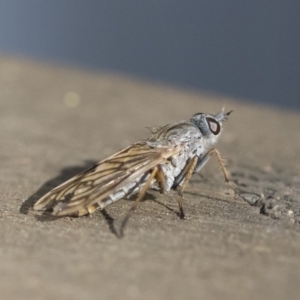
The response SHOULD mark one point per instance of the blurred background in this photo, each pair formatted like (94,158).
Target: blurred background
(244,49)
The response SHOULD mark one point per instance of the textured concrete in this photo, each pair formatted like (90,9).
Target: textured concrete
(57,121)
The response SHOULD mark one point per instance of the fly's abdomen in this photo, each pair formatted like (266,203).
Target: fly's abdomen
(127,190)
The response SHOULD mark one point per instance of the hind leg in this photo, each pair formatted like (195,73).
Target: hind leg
(186,176)
(157,174)
(138,199)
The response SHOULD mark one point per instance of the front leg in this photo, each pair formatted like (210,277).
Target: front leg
(224,171)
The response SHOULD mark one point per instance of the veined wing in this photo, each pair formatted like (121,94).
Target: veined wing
(100,181)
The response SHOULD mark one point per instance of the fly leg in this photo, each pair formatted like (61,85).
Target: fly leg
(225,173)
(188,172)
(138,199)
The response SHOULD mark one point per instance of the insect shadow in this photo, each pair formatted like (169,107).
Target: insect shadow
(118,232)
(65,174)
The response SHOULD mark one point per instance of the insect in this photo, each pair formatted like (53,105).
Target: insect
(162,162)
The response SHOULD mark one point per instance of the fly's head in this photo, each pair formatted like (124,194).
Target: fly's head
(210,125)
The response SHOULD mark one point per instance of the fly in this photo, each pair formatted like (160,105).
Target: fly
(162,162)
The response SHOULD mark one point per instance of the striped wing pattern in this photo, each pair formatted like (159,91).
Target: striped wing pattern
(100,181)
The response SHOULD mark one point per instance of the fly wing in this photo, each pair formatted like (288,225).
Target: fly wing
(106,177)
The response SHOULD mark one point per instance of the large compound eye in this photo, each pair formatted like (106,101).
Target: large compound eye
(214,126)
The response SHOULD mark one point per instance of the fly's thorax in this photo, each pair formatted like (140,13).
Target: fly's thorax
(176,163)
(176,133)
(187,137)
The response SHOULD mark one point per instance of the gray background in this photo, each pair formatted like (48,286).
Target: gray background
(245,49)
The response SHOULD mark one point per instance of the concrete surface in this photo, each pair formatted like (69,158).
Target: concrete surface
(57,121)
